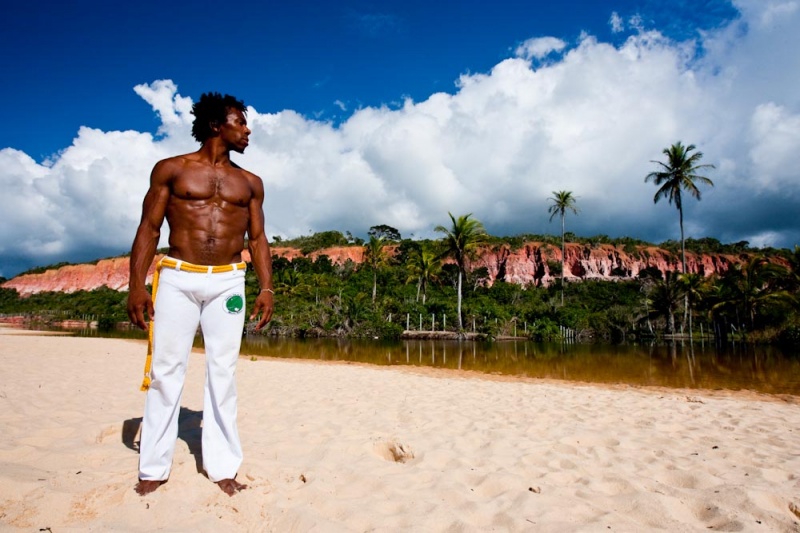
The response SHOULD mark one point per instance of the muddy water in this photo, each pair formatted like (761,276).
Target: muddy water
(765,369)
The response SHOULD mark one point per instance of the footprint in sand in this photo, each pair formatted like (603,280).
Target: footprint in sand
(91,504)
(393,451)
(110,431)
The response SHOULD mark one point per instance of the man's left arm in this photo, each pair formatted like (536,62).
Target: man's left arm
(260,255)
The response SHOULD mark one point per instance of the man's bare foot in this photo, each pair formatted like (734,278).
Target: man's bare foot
(147,486)
(230,486)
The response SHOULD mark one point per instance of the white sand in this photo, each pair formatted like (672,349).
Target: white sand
(321,440)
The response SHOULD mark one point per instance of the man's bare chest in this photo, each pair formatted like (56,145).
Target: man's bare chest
(213,185)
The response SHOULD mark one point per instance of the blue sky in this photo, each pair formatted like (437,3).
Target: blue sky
(394,112)
(77,62)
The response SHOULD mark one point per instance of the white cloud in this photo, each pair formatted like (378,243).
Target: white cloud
(774,12)
(616,23)
(636,23)
(775,143)
(539,47)
(590,121)
(174,110)
(22,206)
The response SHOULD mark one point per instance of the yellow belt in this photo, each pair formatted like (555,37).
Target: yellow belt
(200,269)
(177,264)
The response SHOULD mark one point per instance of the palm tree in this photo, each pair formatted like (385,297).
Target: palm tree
(319,281)
(694,287)
(461,240)
(423,266)
(753,287)
(679,172)
(665,298)
(290,282)
(562,200)
(375,256)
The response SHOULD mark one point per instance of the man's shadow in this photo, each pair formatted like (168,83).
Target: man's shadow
(190,430)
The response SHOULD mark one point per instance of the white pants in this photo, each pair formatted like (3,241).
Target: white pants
(185,300)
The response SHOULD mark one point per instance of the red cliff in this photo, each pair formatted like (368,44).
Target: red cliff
(338,255)
(526,265)
(531,263)
(111,273)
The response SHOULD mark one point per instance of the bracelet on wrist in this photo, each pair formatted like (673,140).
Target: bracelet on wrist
(269,291)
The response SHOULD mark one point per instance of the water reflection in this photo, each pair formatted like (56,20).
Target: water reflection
(759,368)
(767,369)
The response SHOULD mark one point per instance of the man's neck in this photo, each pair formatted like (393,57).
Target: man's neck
(215,152)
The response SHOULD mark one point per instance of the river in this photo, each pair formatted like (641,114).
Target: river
(765,369)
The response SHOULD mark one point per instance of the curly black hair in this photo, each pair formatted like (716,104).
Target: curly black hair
(212,109)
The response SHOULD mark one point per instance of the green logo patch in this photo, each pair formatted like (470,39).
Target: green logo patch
(234,304)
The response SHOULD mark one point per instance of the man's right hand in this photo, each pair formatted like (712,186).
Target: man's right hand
(140,301)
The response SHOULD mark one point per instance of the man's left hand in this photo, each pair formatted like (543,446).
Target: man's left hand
(264,305)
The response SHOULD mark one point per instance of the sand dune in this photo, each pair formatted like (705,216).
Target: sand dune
(341,447)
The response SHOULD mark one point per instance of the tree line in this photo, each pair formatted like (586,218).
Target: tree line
(757,299)
(403,282)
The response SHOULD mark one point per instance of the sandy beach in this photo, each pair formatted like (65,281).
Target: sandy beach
(343,447)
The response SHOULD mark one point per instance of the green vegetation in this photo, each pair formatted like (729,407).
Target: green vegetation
(757,300)
(39,270)
(317,241)
(100,303)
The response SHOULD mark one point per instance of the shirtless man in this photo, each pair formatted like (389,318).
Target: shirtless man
(210,204)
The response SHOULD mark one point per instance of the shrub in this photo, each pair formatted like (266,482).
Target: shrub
(545,329)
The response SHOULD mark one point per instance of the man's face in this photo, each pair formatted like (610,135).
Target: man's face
(234,132)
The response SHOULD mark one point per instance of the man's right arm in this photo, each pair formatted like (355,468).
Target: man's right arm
(146,242)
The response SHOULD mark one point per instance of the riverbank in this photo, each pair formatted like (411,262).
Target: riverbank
(347,447)
(411,334)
